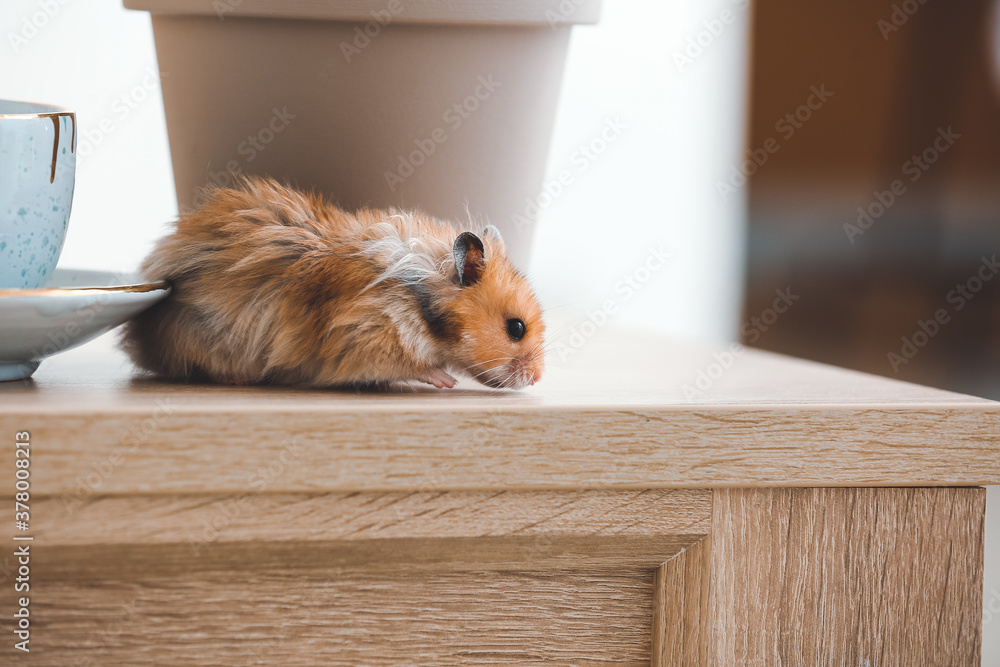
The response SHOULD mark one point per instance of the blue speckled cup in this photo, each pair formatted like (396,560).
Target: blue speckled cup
(37,175)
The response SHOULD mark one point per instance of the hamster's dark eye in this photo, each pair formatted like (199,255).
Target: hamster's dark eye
(515,328)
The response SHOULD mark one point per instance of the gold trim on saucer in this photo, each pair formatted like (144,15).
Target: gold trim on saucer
(71,291)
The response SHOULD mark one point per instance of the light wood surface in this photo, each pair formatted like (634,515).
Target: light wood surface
(611,415)
(847,576)
(682,627)
(345,579)
(454,530)
(879,576)
(157,519)
(248,617)
(586,521)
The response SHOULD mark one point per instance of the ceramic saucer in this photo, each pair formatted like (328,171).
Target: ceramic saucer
(74,308)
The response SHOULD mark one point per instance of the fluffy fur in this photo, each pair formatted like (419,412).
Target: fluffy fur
(276,286)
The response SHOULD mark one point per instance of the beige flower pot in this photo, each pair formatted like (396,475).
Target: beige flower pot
(442,106)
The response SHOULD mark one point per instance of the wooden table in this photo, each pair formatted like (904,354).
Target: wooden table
(649,501)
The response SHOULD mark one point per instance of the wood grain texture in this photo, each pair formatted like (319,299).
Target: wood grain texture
(364,578)
(156,519)
(608,418)
(316,452)
(346,617)
(847,576)
(384,531)
(681,597)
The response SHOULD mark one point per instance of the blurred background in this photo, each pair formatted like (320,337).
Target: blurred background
(871,265)
(895,88)
(848,152)
(874,265)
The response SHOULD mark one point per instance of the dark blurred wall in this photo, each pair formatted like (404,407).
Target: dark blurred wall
(877,200)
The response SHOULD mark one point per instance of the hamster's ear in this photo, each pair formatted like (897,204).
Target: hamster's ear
(493,233)
(470,258)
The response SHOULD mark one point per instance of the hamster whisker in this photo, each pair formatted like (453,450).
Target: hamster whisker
(500,383)
(508,379)
(553,336)
(480,363)
(483,372)
(500,359)
(537,345)
(488,370)
(504,384)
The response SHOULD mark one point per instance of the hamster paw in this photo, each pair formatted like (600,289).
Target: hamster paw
(438,378)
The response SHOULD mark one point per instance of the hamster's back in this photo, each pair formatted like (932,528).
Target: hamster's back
(256,272)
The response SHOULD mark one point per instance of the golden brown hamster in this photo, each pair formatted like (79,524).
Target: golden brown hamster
(275,286)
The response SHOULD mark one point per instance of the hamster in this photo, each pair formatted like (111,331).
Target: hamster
(276,286)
